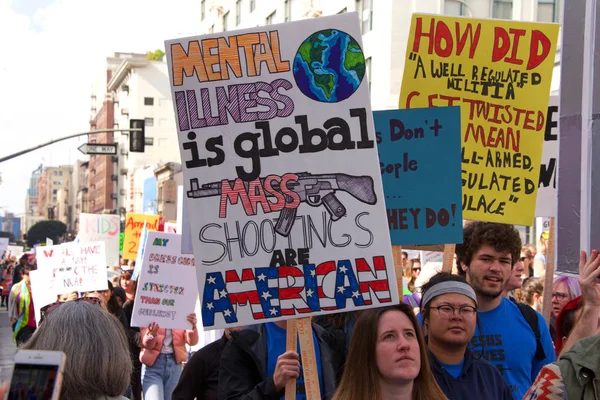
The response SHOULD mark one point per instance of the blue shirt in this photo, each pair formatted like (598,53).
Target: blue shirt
(507,341)
(276,343)
(453,369)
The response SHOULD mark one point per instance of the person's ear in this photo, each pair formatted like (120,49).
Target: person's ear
(464,267)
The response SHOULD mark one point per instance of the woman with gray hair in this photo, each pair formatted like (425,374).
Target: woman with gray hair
(98,364)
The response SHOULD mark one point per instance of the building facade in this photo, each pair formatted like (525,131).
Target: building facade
(168,177)
(31,215)
(80,189)
(384,23)
(51,180)
(140,90)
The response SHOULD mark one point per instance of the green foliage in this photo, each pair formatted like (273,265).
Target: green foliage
(9,235)
(45,229)
(156,55)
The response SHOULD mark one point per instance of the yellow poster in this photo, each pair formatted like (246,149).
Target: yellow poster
(133,232)
(499,73)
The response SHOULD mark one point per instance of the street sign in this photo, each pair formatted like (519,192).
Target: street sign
(97,149)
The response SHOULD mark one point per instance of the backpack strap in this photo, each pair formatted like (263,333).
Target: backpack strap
(532,319)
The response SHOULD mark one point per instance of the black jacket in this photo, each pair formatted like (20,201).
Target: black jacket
(244,365)
(478,380)
(200,377)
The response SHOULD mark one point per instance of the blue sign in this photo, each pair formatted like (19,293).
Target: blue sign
(420,162)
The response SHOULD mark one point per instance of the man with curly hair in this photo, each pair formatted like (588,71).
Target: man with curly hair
(505,336)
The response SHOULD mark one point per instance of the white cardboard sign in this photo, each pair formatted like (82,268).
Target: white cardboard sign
(167,290)
(281,172)
(79,267)
(546,202)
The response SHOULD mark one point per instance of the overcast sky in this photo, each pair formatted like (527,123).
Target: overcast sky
(51,52)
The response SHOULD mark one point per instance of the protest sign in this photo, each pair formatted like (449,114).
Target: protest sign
(102,228)
(49,242)
(284,194)
(419,158)
(546,197)
(167,289)
(499,72)
(73,267)
(121,241)
(133,231)
(431,256)
(16,251)
(170,227)
(3,246)
(42,290)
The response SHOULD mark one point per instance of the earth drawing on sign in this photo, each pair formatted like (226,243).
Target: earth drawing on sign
(329,66)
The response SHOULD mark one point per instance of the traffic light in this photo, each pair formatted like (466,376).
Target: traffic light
(137,139)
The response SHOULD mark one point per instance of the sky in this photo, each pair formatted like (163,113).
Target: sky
(52,52)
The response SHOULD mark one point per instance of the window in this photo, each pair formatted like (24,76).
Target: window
(343,10)
(368,72)
(225,18)
(238,12)
(455,8)
(60,173)
(252,5)
(54,191)
(271,18)
(503,9)
(149,121)
(288,10)
(202,9)
(148,101)
(547,11)
(365,8)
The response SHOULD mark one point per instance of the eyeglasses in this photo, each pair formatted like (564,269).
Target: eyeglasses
(447,311)
(416,269)
(51,307)
(525,258)
(560,296)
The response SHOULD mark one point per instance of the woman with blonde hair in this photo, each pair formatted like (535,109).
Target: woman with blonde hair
(539,261)
(533,293)
(388,359)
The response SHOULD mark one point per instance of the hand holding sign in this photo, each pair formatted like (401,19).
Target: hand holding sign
(287,367)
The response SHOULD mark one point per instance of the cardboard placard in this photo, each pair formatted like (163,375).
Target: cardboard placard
(419,158)
(167,290)
(133,232)
(547,195)
(105,228)
(74,267)
(499,72)
(281,181)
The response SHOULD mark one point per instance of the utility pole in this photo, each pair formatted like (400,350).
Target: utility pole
(579,139)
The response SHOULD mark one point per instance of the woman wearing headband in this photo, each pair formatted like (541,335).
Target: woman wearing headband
(449,310)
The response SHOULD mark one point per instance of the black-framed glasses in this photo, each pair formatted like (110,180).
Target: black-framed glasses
(560,296)
(447,311)
(51,307)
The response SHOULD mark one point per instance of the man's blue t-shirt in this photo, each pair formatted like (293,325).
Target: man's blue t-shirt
(507,341)
(454,369)
(276,343)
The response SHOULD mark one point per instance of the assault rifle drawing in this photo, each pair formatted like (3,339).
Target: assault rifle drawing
(314,190)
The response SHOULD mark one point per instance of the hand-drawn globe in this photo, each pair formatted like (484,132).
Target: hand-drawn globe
(329,66)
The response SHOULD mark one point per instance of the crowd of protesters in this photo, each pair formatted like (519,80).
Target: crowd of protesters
(475,333)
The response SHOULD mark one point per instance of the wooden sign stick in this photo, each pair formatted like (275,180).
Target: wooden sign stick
(448,259)
(397,255)
(291,344)
(309,359)
(549,277)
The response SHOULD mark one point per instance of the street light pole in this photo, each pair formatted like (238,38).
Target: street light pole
(65,138)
